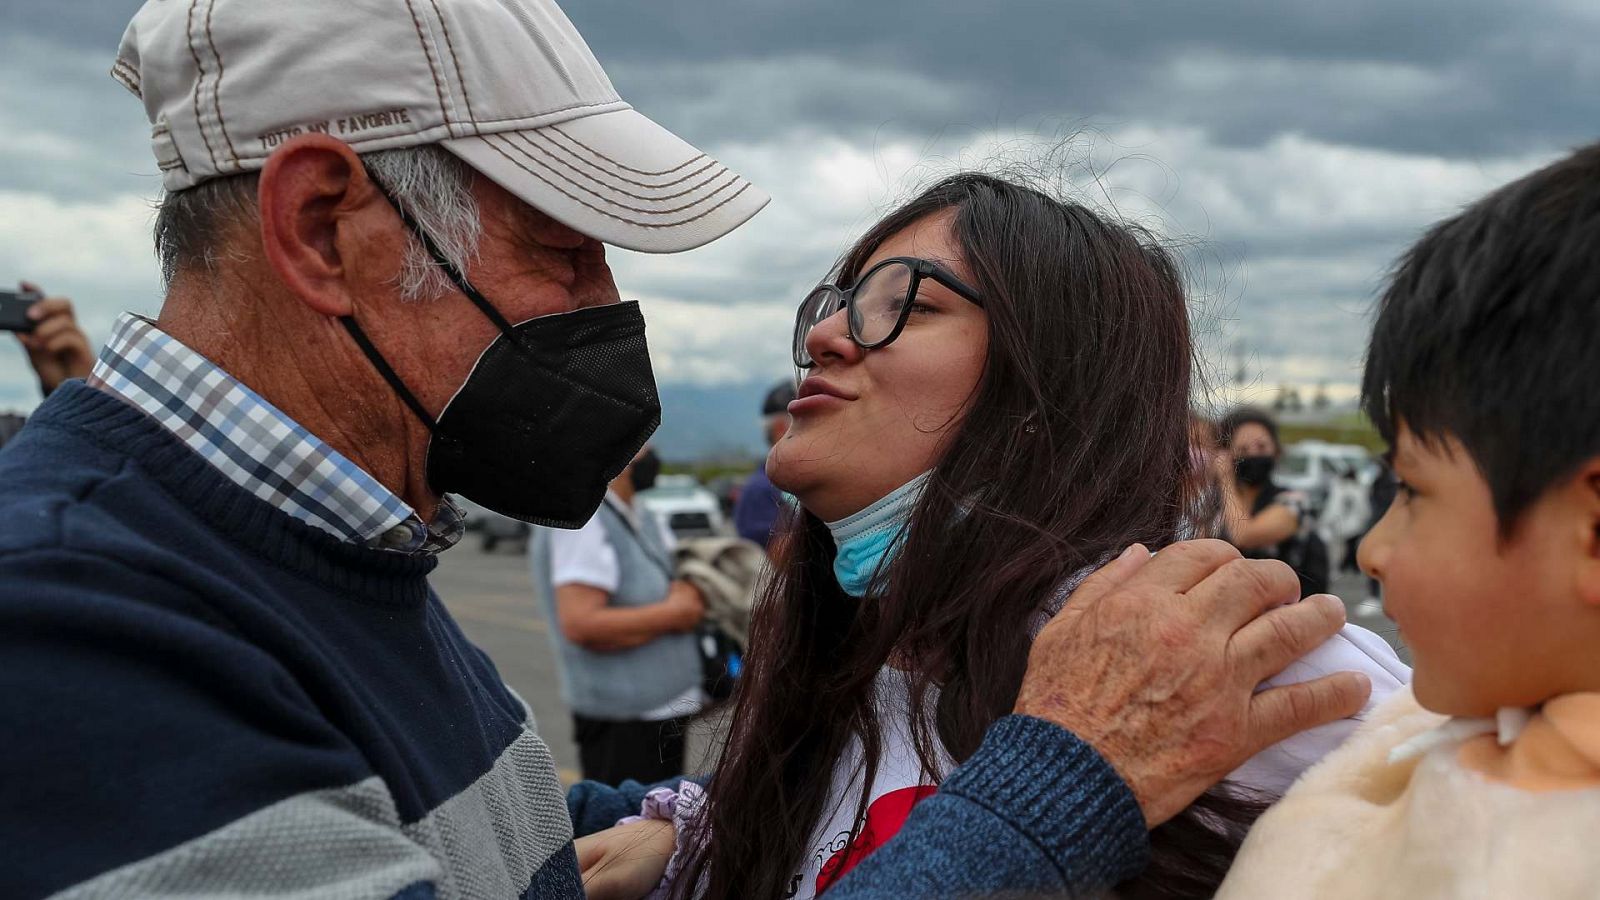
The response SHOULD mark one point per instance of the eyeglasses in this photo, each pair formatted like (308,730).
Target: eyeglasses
(877,306)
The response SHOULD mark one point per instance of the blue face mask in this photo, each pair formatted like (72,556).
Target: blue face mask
(868,540)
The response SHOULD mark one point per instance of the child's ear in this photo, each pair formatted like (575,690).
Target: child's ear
(1587,495)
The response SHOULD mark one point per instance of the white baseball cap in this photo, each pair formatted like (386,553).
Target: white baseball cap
(507,85)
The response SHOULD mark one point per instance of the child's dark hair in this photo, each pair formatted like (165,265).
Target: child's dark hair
(1490,333)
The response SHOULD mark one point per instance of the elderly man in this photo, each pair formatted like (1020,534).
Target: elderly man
(222,671)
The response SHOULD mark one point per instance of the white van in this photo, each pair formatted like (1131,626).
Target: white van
(1310,466)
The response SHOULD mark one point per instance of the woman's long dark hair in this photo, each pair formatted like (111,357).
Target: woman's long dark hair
(1074,445)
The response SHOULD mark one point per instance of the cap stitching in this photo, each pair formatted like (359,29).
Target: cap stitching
(216,86)
(557,130)
(450,45)
(126,67)
(438,86)
(128,72)
(579,157)
(611,215)
(160,130)
(198,120)
(637,209)
(122,79)
(551,112)
(598,167)
(625,191)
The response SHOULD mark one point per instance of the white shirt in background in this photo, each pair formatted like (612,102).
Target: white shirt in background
(585,556)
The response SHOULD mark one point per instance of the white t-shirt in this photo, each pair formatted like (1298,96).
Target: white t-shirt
(842,841)
(585,556)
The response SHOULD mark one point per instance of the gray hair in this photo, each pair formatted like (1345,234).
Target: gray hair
(198,227)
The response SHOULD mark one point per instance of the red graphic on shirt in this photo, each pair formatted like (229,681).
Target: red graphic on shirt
(884,818)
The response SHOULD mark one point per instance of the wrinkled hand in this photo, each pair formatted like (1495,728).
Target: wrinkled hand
(687,602)
(57,348)
(1155,662)
(625,862)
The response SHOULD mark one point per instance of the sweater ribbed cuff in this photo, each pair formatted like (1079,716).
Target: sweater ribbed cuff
(1057,791)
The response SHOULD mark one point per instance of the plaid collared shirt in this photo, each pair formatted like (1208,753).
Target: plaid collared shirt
(259,448)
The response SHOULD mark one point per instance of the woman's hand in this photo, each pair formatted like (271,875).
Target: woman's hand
(688,604)
(625,862)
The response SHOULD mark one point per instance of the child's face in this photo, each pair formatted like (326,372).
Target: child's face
(1490,622)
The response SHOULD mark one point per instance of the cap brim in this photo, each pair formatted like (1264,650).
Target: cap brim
(618,177)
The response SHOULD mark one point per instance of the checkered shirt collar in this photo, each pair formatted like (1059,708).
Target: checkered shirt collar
(257,446)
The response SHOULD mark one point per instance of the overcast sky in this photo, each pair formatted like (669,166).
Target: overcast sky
(1296,147)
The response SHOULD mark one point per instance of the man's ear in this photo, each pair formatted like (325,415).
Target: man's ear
(313,188)
(1586,497)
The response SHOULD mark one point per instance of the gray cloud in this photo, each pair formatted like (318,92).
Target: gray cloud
(1478,77)
(1301,145)
(1482,77)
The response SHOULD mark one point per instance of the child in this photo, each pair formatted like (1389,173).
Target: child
(1484,376)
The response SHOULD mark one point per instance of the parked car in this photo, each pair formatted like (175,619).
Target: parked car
(1310,466)
(682,507)
(492,528)
(726,488)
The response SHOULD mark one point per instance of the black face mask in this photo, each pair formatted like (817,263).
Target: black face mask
(553,411)
(645,471)
(1254,471)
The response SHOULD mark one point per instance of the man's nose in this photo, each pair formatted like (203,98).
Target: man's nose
(830,340)
(593,283)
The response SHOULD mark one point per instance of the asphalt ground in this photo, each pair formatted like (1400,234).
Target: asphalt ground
(490,594)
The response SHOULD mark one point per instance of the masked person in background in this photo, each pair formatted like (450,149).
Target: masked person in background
(624,636)
(222,670)
(1263,520)
(760,504)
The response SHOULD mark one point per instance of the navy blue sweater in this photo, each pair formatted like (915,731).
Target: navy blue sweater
(200,693)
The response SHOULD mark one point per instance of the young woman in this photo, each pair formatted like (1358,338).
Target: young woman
(994,404)
(1259,517)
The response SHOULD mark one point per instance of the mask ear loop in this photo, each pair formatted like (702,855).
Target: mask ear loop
(443,262)
(456,278)
(388,373)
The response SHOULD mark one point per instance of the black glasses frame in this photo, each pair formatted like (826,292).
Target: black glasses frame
(845,298)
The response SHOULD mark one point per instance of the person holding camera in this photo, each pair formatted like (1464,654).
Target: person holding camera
(49,334)
(57,348)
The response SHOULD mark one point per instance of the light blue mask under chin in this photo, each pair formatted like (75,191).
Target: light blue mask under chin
(868,540)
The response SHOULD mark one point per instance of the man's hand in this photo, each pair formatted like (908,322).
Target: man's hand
(57,348)
(1155,662)
(687,604)
(625,862)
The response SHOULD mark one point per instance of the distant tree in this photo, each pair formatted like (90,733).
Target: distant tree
(1321,400)
(1239,367)
(1280,403)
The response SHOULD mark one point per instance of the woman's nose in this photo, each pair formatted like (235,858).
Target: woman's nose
(829,341)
